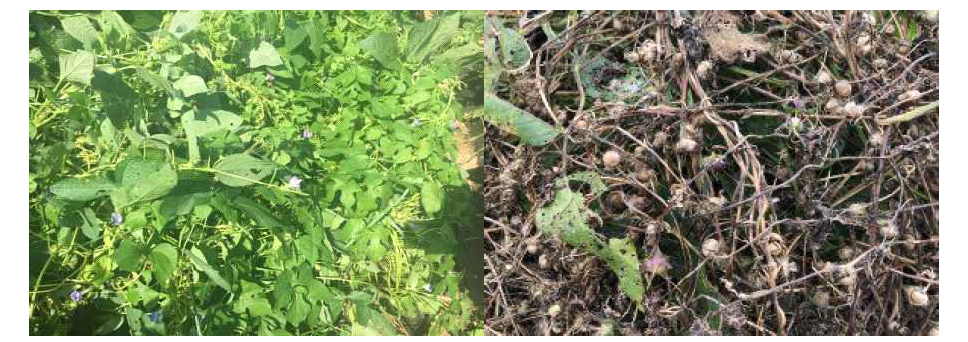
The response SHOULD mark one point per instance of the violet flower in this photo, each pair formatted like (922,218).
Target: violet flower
(295,182)
(307,134)
(116,218)
(76,296)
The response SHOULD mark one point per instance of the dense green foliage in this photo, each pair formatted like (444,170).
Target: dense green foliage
(258,172)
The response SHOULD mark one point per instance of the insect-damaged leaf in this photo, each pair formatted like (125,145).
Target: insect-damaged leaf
(242,169)
(567,217)
(184,22)
(529,128)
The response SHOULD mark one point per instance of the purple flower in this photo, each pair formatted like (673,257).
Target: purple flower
(295,182)
(428,288)
(116,218)
(307,134)
(270,78)
(154,317)
(76,296)
(416,122)
(657,264)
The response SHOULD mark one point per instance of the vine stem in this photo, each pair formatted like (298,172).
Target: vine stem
(211,170)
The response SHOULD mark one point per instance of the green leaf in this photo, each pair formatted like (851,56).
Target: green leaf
(77,67)
(264,55)
(184,22)
(74,189)
(205,121)
(198,259)
(624,261)
(164,258)
(529,128)
(257,212)
(431,196)
(308,248)
(128,256)
(383,47)
(242,169)
(515,51)
(298,312)
(430,36)
(81,29)
(92,225)
(142,180)
(191,85)
(155,80)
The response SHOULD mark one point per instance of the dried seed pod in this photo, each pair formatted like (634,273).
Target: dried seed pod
(645,176)
(917,296)
(833,105)
(686,145)
(821,299)
(618,25)
(581,124)
(909,244)
(543,261)
(887,228)
(714,162)
(843,88)
(611,159)
(638,202)
(632,56)
(934,331)
(823,77)
(909,95)
(789,56)
(660,139)
(853,110)
(775,244)
(704,69)
(711,248)
(554,310)
(880,63)
(616,199)
(848,277)
(876,139)
(845,253)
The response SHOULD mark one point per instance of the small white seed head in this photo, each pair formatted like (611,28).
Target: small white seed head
(909,95)
(704,69)
(833,105)
(823,77)
(543,261)
(880,63)
(887,228)
(554,310)
(934,332)
(710,248)
(917,296)
(846,253)
(611,159)
(876,139)
(686,145)
(821,299)
(843,88)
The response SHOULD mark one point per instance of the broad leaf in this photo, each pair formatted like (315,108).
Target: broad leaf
(164,258)
(191,85)
(198,259)
(184,22)
(383,47)
(264,55)
(128,256)
(74,189)
(77,67)
(155,80)
(529,128)
(431,196)
(430,36)
(142,180)
(242,169)
(81,29)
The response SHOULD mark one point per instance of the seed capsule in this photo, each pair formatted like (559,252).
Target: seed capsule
(917,296)
(710,248)
(909,95)
(823,77)
(686,145)
(843,88)
(611,159)
(821,299)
